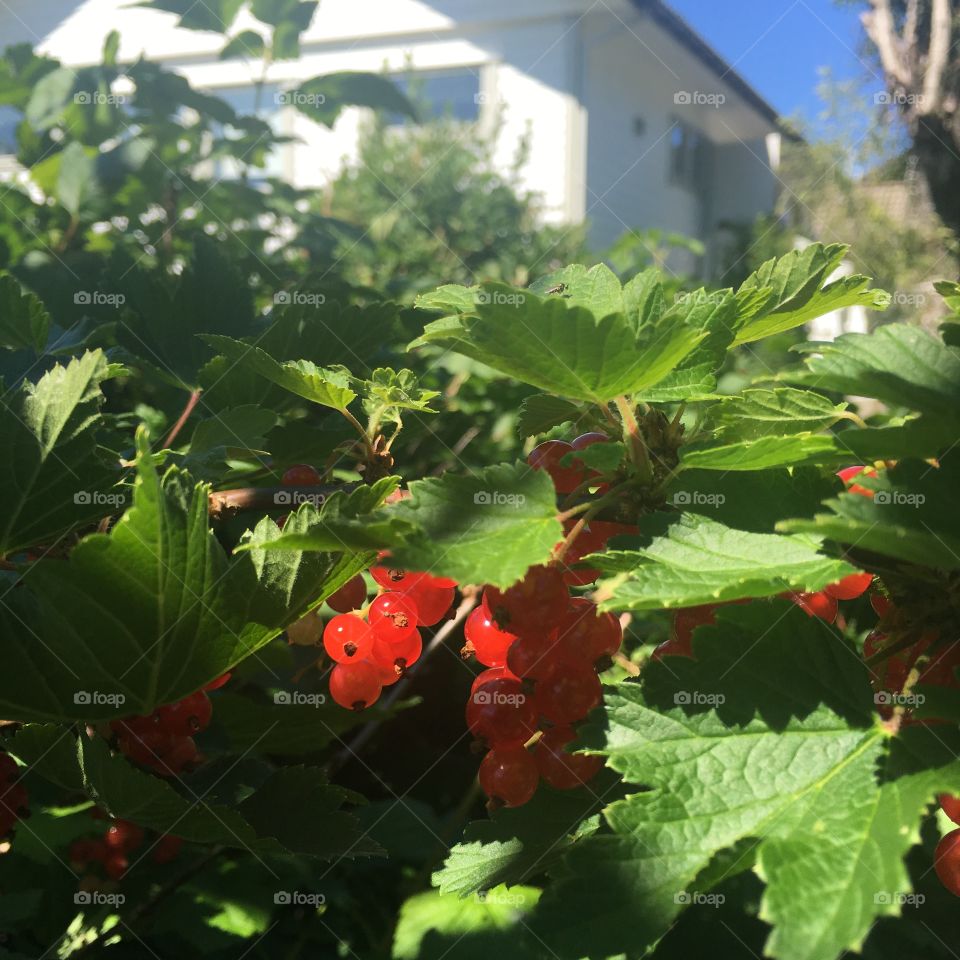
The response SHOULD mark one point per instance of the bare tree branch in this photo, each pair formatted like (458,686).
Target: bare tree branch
(882,30)
(941,27)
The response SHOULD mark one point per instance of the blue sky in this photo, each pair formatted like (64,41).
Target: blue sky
(778,45)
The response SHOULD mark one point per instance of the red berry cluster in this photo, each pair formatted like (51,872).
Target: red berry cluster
(374,650)
(111,850)
(13,794)
(163,740)
(543,650)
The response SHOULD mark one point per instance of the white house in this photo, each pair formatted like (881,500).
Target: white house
(634,121)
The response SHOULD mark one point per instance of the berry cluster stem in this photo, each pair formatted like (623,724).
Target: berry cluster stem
(631,434)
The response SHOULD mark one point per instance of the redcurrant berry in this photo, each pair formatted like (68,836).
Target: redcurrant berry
(300,475)
(500,713)
(393,617)
(346,637)
(355,685)
(167,848)
(351,596)
(534,604)
(560,769)
(568,692)
(950,805)
(817,604)
(488,642)
(851,587)
(123,835)
(508,776)
(946,861)
(533,655)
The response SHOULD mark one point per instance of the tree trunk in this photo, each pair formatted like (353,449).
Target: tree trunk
(938,154)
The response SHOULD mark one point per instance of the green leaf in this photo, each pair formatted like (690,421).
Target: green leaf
(700,561)
(488,527)
(761,413)
(714,314)
(541,411)
(564,349)
(344,521)
(52,476)
(514,845)
(151,611)
(796,450)
(232,434)
(323,98)
(247,43)
(898,364)
(797,294)
(596,289)
(389,391)
(314,823)
(426,918)
(49,751)
(752,500)
(215,15)
(24,322)
(912,516)
(77,184)
(328,387)
(748,742)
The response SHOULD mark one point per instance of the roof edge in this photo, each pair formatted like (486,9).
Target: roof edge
(681,31)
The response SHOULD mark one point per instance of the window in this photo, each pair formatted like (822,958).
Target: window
(244,102)
(441,94)
(687,149)
(9,120)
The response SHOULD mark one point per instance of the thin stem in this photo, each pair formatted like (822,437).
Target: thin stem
(358,426)
(631,435)
(188,408)
(576,529)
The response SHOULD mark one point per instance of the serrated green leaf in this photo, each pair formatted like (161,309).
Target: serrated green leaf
(596,288)
(779,412)
(701,561)
(912,516)
(515,845)
(488,527)
(151,611)
(798,449)
(898,364)
(52,476)
(326,386)
(24,322)
(564,349)
(797,293)
(389,391)
(798,763)
(541,411)
(426,918)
